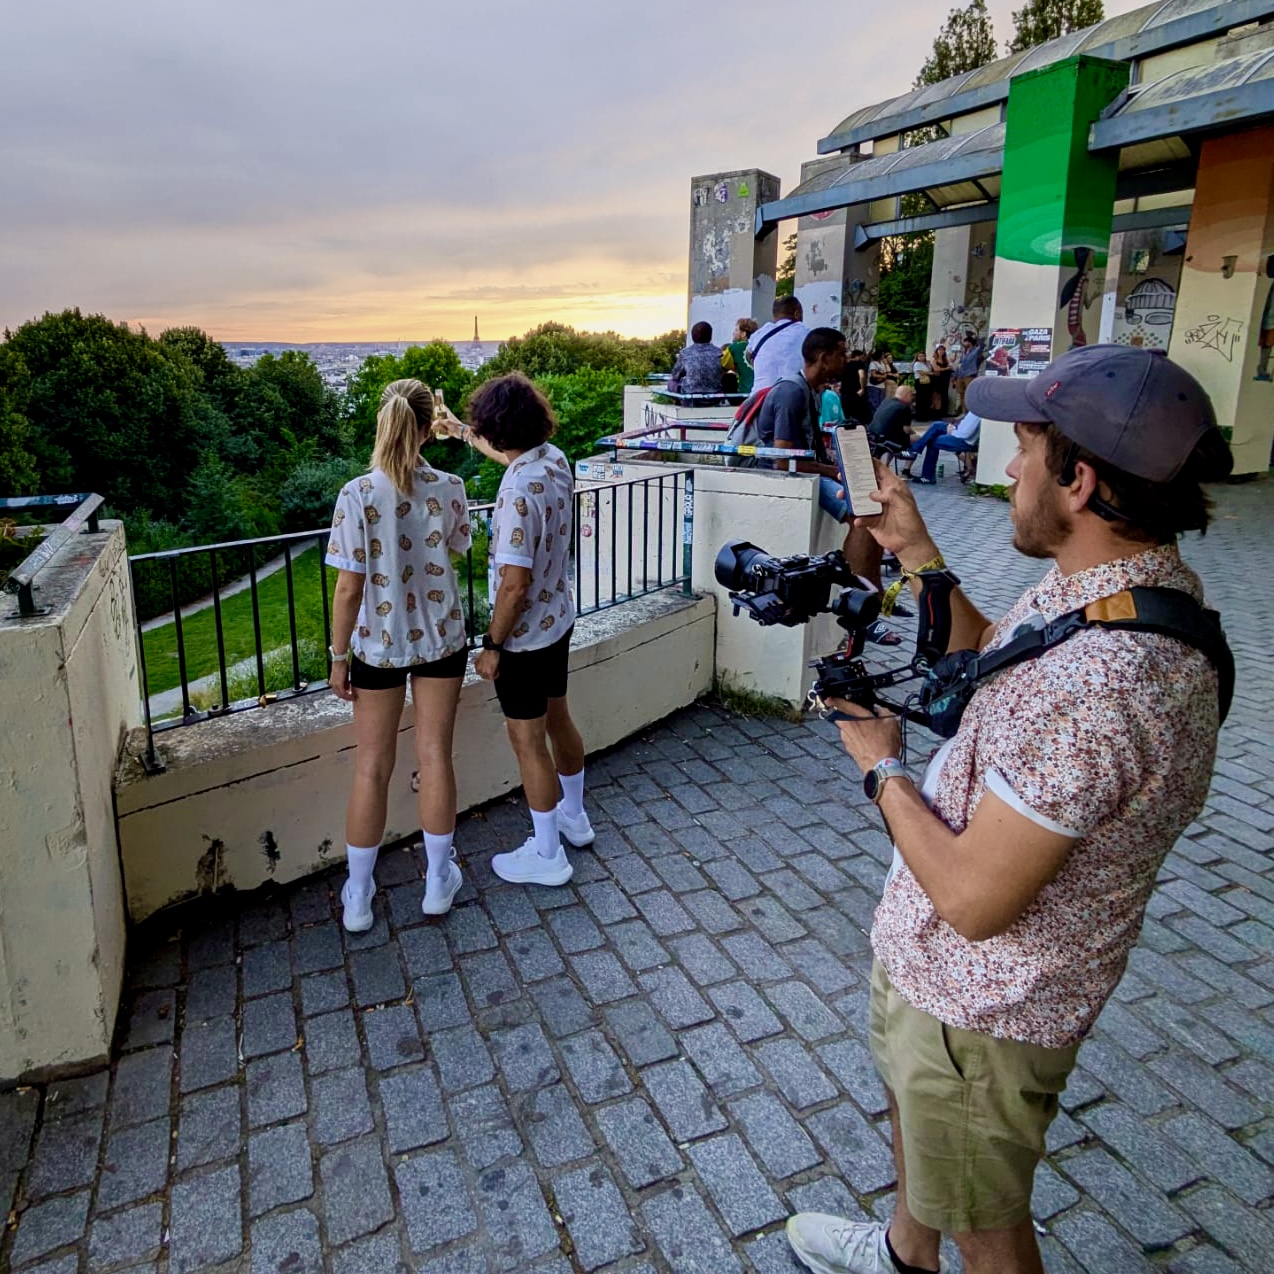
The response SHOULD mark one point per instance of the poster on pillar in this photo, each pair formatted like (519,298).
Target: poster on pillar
(1019,351)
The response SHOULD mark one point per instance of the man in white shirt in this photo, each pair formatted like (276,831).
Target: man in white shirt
(775,349)
(960,437)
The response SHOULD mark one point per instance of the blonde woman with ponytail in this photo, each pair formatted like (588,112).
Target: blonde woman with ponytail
(397,615)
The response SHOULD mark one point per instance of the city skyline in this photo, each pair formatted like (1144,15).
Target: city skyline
(296,174)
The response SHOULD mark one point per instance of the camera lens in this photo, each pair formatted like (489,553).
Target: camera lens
(860,606)
(735,563)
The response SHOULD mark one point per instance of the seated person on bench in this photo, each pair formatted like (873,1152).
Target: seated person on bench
(940,436)
(890,424)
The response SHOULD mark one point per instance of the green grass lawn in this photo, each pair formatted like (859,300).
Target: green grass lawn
(199,631)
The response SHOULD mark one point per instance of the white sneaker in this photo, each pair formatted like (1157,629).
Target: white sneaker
(575,829)
(527,866)
(440,891)
(833,1245)
(356,914)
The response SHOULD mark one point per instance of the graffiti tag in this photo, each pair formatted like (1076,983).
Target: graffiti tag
(1222,335)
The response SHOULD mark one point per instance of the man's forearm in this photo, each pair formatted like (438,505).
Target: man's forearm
(970,628)
(508,606)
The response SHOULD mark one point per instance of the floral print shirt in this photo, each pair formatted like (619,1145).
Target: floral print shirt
(411,611)
(531,527)
(1109,738)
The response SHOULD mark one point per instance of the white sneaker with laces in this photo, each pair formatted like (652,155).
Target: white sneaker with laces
(441,890)
(527,866)
(356,912)
(833,1245)
(575,828)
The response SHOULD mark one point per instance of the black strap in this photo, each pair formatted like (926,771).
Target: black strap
(1166,611)
(774,331)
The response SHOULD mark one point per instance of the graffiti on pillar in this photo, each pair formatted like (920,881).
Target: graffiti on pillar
(1145,317)
(1218,334)
(969,315)
(815,261)
(721,192)
(1076,296)
(1267,328)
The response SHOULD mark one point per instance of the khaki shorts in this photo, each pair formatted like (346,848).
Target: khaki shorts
(973,1110)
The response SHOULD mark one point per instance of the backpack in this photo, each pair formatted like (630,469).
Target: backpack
(745,432)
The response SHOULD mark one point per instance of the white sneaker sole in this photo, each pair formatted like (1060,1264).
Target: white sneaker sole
(440,906)
(356,924)
(583,842)
(558,876)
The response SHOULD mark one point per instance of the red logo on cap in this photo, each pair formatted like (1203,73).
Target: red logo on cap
(1052,389)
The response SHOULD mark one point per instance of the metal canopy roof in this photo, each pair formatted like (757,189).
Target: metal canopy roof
(1153,29)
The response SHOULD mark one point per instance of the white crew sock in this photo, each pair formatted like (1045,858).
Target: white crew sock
(362,862)
(438,852)
(572,793)
(546,842)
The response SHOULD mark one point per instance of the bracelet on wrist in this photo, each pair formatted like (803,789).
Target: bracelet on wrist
(905,576)
(340,657)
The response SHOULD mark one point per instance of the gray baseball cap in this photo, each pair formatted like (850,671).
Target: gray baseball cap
(1133,407)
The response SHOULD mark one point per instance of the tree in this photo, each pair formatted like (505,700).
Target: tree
(553,349)
(966,42)
(1039,21)
(903,298)
(18,472)
(785,278)
(436,365)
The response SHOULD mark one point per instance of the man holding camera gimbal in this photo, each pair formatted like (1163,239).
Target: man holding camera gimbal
(1025,860)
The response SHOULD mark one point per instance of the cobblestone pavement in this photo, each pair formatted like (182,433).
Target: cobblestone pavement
(650,1068)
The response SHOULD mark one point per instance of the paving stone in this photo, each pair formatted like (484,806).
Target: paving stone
(485,1126)
(1097,1244)
(143,1084)
(1253,1076)
(1221,1157)
(209,1055)
(462,1059)
(808,1016)
(288,1242)
(638,947)
(735,1183)
(355,1190)
(311,902)
(1204,1260)
(158,967)
(65,1154)
(1141,1211)
(643,1038)
(674,998)
(596,1216)
(663,913)
(127,1237)
(607,902)
(135,1164)
(757,957)
(562,1009)
(574,929)
(1183,1026)
(276,1089)
(1128,1080)
(393,1038)
(686,1106)
(279,1169)
(377,976)
(468,930)
(440,1002)
(323,992)
(602,976)
(376,1255)
(853,1145)
(208,1127)
(414,1115)
(517,1220)
(212,944)
(331,1042)
(852,1064)
(633,874)
(44,1227)
(720,1060)
(1051,1194)
(266,968)
(732,879)
(684,1231)
(524,1058)
(264,922)
(151,1019)
(317,948)
(679,873)
(1143,1146)
(376,936)
(773,1135)
(489,979)
(425,950)
(1201,1086)
(638,1142)
(748,1015)
(436,1205)
(702,959)
(554,1127)
(269,1025)
(341,1108)
(204,1223)
(826,1194)
(535,956)
(595,1070)
(819,966)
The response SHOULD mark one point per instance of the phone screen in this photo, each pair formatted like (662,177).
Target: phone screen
(857,470)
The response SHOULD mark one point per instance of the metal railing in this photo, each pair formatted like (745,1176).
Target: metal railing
(83,516)
(632,538)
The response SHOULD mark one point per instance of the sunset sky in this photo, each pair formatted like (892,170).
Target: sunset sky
(327,171)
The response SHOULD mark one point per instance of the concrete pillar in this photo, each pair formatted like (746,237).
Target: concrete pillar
(68,692)
(1143,275)
(1056,204)
(960,285)
(837,284)
(1224,330)
(731,270)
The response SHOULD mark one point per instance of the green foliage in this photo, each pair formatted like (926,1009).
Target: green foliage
(15,544)
(903,318)
(1039,21)
(309,492)
(785,279)
(966,42)
(553,349)
(18,472)
(664,350)
(436,365)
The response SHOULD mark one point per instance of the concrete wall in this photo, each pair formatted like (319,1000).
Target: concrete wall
(960,285)
(1142,282)
(261,795)
(68,693)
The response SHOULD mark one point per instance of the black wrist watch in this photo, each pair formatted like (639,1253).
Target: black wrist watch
(489,644)
(875,779)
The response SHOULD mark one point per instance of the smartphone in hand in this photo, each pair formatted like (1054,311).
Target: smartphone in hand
(857,470)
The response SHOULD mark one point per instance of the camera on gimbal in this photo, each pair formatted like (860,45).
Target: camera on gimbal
(792,590)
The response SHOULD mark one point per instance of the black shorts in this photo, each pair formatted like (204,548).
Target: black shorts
(368,677)
(528,679)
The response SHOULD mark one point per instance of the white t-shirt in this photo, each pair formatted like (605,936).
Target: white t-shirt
(532,527)
(780,357)
(411,611)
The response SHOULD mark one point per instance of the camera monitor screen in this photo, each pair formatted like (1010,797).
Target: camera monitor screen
(857,470)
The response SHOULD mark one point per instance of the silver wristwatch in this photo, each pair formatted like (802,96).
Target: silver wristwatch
(875,779)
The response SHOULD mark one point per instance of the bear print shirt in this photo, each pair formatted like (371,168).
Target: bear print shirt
(531,527)
(411,612)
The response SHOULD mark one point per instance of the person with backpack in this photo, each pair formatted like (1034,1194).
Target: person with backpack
(1024,861)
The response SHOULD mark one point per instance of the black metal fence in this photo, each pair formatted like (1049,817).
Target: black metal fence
(80,513)
(252,641)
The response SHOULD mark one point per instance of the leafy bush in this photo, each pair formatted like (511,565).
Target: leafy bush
(309,492)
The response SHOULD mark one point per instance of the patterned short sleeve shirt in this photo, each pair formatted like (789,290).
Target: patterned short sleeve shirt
(411,612)
(1108,738)
(532,527)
